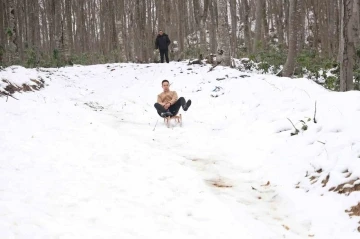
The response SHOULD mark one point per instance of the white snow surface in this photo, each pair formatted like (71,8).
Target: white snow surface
(89,157)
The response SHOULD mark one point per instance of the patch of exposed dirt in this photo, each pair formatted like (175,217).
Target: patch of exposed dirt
(325,180)
(219,183)
(350,187)
(286,227)
(26,88)
(39,84)
(345,188)
(195,159)
(354,211)
(11,88)
(313,179)
(95,106)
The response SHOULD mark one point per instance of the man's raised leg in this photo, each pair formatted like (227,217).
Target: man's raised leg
(174,109)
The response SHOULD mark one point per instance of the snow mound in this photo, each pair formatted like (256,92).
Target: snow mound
(19,79)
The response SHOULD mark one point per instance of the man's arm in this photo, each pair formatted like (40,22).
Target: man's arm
(168,40)
(159,100)
(174,98)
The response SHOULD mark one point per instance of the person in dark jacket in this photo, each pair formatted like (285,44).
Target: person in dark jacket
(162,43)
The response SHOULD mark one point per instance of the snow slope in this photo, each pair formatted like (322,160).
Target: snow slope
(88,156)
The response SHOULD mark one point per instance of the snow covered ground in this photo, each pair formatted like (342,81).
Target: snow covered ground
(88,156)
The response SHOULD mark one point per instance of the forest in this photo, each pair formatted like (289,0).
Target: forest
(294,37)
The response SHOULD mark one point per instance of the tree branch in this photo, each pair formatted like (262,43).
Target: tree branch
(296,130)
(7,95)
(315,114)
(212,68)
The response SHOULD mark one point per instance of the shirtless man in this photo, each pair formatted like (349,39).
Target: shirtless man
(168,103)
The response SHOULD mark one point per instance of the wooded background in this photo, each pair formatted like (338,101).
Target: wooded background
(294,33)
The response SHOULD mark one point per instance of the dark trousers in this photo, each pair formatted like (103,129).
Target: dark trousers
(174,109)
(164,52)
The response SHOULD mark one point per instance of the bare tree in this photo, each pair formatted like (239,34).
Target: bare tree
(259,15)
(200,16)
(12,33)
(233,27)
(294,13)
(247,24)
(68,25)
(223,54)
(213,26)
(2,26)
(347,45)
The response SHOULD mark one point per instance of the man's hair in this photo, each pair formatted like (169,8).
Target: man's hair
(164,81)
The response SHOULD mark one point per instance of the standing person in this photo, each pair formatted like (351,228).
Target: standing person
(162,43)
(168,103)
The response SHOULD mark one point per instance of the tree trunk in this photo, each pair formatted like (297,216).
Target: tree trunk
(347,46)
(2,36)
(265,26)
(181,17)
(12,34)
(258,23)
(200,16)
(213,27)
(68,26)
(233,27)
(223,53)
(247,26)
(20,28)
(300,25)
(167,13)
(149,31)
(160,14)
(290,61)
(203,42)
(113,33)
(280,23)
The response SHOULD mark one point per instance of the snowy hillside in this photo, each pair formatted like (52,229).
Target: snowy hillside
(87,156)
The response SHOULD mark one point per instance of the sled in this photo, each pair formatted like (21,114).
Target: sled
(177,118)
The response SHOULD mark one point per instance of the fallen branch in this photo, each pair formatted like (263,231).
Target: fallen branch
(304,91)
(197,61)
(155,124)
(7,95)
(267,184)
(296,130)
(271,84)
(212,68)
(315,114)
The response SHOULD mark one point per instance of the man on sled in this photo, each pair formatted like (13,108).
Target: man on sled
(168,104)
